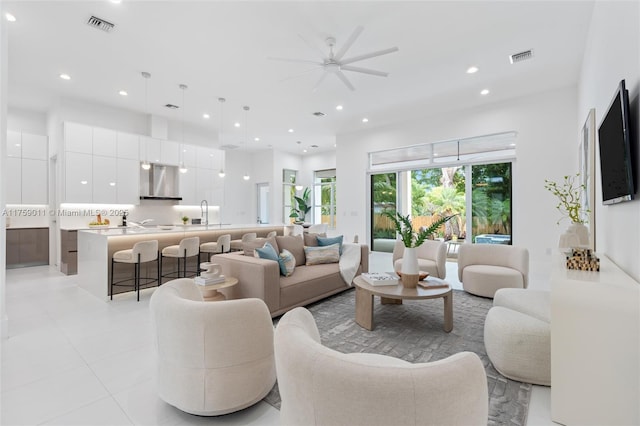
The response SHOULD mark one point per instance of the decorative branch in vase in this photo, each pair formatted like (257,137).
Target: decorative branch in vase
(570,206)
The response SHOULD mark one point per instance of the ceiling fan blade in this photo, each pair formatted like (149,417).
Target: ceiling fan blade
(364,70)
(345,80)
(369,55)
(301,73)
(352,38)
(322,77)
(302,61)
(322,55)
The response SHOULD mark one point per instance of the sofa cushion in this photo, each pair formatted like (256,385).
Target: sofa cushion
(319,255)
(288,262)
(327,241)
(249,246)
(311,239)
(310,282)
(295,244)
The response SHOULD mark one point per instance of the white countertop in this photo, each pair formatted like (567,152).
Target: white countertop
(119,230)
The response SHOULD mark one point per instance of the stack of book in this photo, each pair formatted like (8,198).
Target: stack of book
(209,281)
(380,278)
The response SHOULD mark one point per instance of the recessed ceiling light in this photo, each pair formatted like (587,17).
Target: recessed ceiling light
(112,184)
(236,124)
(123,93)
(116,1)
(365,120)
(290,130)
(256,139)
(10,17)
(65,76)
(472,70)
(435,154)
(205,115)
(304,150)
(339,107)
(484,92)
(512,144)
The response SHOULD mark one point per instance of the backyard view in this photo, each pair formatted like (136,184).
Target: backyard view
(434,193)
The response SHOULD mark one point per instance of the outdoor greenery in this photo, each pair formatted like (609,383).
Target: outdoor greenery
(404,228)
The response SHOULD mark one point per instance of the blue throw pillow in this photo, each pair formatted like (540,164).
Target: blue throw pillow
(268,252)
(327,241)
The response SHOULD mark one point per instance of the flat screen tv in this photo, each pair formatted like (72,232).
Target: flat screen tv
(616,155)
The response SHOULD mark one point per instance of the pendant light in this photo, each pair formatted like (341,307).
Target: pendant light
(145,164)
(182,168)
(221,173)
(246,131)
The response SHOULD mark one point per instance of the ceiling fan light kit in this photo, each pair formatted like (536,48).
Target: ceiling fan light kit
(333,63)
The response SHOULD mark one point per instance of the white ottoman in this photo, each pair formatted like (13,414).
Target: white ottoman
(517,335)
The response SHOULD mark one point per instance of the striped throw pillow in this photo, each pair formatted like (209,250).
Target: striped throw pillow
(319,255)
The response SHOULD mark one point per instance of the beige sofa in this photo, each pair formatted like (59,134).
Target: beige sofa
(260,278)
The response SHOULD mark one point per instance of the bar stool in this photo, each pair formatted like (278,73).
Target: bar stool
(223,245)
(142,252)
(236,245)
(188,247)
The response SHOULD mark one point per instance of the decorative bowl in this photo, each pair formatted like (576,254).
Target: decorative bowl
(421,275)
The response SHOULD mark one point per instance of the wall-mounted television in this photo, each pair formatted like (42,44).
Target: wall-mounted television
(616,154)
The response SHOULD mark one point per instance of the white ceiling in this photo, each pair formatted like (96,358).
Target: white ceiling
(221,49)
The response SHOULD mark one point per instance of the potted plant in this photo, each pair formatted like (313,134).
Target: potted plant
(411,240)
(185,219)
(570,205)
(303,206)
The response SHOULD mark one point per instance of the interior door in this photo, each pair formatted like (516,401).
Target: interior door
(263,202)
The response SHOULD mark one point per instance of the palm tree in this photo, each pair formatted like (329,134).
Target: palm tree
(446,202)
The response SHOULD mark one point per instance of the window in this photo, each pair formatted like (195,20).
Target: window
(288,193)
(324,201)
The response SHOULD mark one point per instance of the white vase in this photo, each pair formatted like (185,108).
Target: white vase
(410,261)
(581,231)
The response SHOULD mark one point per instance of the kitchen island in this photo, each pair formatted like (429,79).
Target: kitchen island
(96,247)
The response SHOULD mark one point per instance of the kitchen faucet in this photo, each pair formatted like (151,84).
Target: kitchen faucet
(204,211)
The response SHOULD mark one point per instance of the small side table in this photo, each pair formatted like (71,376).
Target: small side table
(210,292)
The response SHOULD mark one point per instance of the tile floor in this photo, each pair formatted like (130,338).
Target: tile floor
(72,359)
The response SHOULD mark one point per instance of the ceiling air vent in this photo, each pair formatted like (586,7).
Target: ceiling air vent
(100,24)
(171,106)
(229,146)
(521,56)
(319,114)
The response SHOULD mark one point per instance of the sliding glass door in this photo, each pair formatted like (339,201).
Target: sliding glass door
(383,198)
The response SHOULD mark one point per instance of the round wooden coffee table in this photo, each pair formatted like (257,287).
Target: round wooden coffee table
(210,292)
(395,294)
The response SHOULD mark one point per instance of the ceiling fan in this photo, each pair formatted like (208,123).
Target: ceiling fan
(333,63)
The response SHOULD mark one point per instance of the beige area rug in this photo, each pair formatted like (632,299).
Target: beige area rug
(413,332)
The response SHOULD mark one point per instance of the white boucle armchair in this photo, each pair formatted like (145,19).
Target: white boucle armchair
(213,357)
(320,386)
(483,269)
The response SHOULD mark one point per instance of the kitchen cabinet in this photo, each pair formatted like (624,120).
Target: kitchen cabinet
(104,176)
(187,187)
(13,177)
(189,155)
(69,252)
(78,138)
(149,149)
(78,178)
(169,153)
(27,168)
(104,142)
(128,181)
(27,247)
(128,146)
(14,144)
(204,184)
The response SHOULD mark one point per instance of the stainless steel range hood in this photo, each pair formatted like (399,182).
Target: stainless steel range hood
(160,182)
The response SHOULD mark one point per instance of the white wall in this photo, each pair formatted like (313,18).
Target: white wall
(612,54)
(4,59)
(27,121)
(547,144)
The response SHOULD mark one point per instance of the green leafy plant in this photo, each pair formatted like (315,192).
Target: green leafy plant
(185,219)
(568,193)
(404,227)
(303,207)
